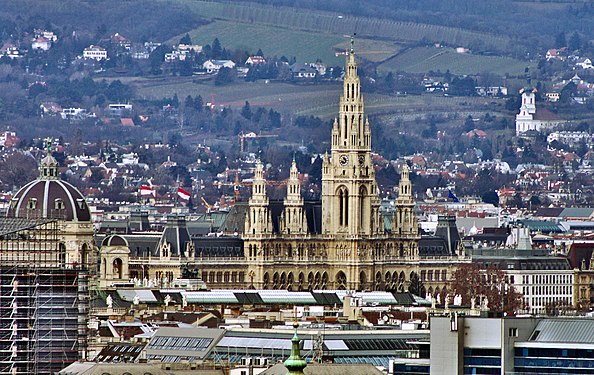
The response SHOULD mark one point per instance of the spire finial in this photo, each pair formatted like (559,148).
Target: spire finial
(353,42)
(295,364)
(48,145)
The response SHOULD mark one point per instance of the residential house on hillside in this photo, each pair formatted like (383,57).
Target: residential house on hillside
(41,43)
(213,66)
(584,63)
(95,52)
(49,35)
(143,51)
(10,50)
(303,72)
(255,60)
(491,90)
(50,109)
(8,139)
(121,41)
(556,54)
(196,48)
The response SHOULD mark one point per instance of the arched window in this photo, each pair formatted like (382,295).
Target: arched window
(362,209)
(117,268)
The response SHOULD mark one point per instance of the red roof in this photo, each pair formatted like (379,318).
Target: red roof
(127,122)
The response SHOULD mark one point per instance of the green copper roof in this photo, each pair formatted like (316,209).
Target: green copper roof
(295,364)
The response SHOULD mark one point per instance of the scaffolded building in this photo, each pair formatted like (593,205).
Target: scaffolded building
(43,299)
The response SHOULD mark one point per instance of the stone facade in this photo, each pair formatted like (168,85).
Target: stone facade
(342,243)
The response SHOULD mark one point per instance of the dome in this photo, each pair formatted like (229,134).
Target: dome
(48,197)
(114,240)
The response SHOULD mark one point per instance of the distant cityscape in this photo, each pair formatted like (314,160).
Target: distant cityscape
(183,235)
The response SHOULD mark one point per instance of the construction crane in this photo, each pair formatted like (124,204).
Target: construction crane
(207,205)
(251,135)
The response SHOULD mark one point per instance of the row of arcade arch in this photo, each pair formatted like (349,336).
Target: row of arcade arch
(389,281)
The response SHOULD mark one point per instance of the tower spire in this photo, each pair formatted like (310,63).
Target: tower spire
(295,364)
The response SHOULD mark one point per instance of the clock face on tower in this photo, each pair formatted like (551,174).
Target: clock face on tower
(343,160)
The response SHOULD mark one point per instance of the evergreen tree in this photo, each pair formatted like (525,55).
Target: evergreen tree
(575,42)
(246,111)
(216,49)
(198,103)
(560,40)
(189,102)
(186,39)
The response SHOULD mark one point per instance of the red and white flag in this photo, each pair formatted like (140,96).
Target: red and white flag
(146,190)
(183,194)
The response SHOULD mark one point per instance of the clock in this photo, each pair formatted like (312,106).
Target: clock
(361,159)
(343,160)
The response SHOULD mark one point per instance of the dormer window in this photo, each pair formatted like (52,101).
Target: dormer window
(81,203)
(59,204)
(32,203)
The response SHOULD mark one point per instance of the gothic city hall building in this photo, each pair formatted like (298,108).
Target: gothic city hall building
(343,241)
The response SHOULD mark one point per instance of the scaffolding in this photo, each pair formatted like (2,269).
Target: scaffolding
(43,301)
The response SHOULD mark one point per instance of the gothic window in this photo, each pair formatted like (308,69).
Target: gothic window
(341,280)
(362,211)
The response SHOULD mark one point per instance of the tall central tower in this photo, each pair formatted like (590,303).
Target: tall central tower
(350,202)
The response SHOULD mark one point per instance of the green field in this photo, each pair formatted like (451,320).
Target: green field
(305,46)
(315,100)
(425,59)
(277,41)
(337,24)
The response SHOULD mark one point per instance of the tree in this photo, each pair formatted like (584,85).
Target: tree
(225,76)
(575,42)
(560,40)
(246,111)
(186,39)
(474,282)
(157,57)
(416,286)
(216,49)
(491,197)
(17,169)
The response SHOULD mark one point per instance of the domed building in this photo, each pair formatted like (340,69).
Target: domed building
(50,198)
(48,259)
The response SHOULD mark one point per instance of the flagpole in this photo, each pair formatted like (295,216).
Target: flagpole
(177,192)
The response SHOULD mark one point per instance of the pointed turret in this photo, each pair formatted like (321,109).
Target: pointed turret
(293,214)
(405,221)
(295,364)
(258,221)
